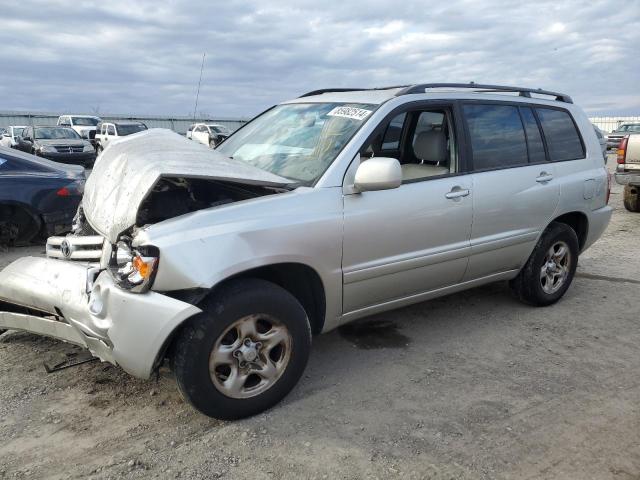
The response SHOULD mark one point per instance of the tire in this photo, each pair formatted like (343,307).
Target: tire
(18,226)
(216,334)
(631,198)
(536,287)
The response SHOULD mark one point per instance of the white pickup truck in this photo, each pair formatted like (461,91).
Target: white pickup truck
(628,170)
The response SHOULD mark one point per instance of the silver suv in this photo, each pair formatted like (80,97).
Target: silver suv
(323,209)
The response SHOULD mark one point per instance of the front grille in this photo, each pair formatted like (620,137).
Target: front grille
(77,248)
(69,148)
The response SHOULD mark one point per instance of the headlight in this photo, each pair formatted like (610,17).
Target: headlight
(47,149)
(87,147)
(134,269)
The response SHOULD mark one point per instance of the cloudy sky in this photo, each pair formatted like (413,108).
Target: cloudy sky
(144,57)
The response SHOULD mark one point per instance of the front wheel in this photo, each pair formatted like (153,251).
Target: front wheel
(245,352)
(550,269)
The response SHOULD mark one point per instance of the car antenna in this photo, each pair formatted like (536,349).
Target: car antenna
(195,109)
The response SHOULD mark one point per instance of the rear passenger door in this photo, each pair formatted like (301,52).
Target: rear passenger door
(515,194)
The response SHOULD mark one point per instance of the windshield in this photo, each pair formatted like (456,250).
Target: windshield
(17,131)
(85,121)
(124,130)
(219,129)
(297,141)
(54,133)
(630,128)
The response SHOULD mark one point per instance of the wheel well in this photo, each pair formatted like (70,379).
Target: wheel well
(7,209)
(580,224)
(301,281)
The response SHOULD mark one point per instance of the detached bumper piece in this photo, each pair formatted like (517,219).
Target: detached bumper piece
(80,304)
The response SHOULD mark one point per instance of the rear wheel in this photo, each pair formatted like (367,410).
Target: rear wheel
(631,198)
(245,352)
(550,269)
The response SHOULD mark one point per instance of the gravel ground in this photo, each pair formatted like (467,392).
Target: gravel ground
(473,386)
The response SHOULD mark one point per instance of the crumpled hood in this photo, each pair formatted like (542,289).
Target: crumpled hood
(126,172)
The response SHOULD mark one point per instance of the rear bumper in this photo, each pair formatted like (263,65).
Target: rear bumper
(60,299)
(60,222)
(627,178)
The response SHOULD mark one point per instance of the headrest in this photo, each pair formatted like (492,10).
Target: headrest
(431,146)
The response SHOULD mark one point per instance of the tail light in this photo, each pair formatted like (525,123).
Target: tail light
(622,149)
(63,192)
(74,188)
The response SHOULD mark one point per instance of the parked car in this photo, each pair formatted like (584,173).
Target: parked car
(83,125)
(109,131)
(628,170)
(37,196)
(60,144)
(615,137)
(10,136)
(227,261)
(209,134)
(602,140)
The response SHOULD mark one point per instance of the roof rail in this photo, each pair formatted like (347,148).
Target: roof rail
(329,90)
(523,92)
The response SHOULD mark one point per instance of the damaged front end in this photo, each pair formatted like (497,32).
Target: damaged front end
(95,289)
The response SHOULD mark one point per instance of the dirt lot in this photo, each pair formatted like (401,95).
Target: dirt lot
(473,386)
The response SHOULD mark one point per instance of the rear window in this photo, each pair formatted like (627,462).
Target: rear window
(497,136)
(563,139)
(534,139)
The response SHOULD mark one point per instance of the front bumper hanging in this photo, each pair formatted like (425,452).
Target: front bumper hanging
(80,304)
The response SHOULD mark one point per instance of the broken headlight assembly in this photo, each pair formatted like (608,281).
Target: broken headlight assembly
(134,269)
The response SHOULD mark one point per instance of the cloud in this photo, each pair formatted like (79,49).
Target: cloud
(144,57)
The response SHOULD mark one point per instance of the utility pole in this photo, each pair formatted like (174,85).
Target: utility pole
(195,109)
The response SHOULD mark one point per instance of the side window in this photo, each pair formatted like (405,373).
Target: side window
(497,136)
(111,130)
(534,139)
(563,140)
(391,139)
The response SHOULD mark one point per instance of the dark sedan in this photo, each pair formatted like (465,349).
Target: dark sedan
(60,144)
(37,197)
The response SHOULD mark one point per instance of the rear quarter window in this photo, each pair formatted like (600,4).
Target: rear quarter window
(561,135)
(497,136)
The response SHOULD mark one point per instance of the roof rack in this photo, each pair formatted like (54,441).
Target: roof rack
(330,90)
(523,92)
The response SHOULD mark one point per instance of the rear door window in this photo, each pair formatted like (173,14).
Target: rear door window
(563,139)
(497,136)
(534,138)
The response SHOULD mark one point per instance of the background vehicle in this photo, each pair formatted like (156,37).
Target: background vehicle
(10,136)
(37,196)
(109,131)
(227,260)
(60,144)
(602,140)
(190,131)
(628,170)
(83,125)
(614,138)
(209,134)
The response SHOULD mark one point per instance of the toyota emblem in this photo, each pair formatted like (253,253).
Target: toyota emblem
(66,249)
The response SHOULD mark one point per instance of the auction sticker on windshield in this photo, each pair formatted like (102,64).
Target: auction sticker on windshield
(349,112)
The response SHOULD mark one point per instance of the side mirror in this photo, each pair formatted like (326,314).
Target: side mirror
(378,173)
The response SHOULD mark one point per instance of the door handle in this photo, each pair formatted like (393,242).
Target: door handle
(456,192)
(544,177)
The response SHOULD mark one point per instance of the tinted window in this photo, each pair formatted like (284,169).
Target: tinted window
(534,139)
(391,139)
(111,130)
(560,132)
(497,136)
